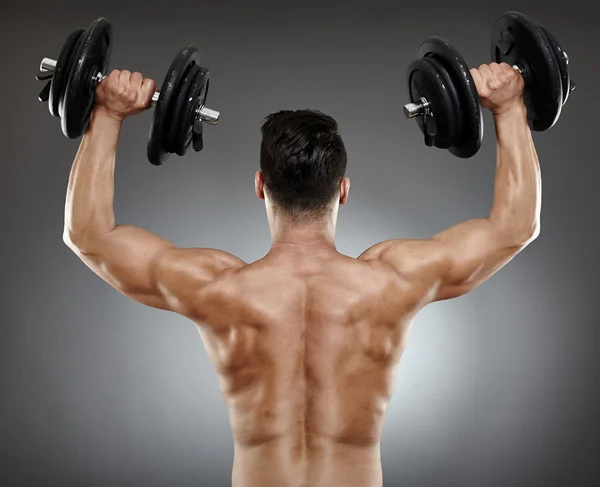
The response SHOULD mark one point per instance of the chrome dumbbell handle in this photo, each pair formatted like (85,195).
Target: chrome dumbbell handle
(412,110)
(203,114)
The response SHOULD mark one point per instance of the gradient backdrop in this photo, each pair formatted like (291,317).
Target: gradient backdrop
(498,388)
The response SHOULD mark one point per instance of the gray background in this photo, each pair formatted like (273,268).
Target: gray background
(496,388)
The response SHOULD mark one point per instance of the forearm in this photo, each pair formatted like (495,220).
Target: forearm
(89,211)
(517,188)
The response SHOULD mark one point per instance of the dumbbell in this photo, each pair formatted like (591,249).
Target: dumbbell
(179,108)
(444,99)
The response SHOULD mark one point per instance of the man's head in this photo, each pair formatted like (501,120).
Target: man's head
(303,162)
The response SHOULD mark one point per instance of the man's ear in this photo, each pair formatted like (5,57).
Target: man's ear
(259,185)
(344,190)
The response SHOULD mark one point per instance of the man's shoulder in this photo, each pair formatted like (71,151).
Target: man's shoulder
(185,266)
(395,249)
(408,258)
(202,256)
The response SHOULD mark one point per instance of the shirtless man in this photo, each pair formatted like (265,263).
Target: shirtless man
(306,341)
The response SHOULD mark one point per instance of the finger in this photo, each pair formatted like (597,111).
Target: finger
(148,90)
(477,78)
(125,77)
(136,81)
(511,72)
(148,86)
(114,75)
(497,69)
(112,78)
(486,71)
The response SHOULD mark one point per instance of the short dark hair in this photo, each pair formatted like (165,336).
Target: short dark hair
(303,159)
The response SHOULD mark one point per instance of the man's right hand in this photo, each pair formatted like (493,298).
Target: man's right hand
(500,87)
(123,94)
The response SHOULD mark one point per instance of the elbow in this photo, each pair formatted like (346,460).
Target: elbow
(522,237)
(531,232)
(69,239)
(76,242)
(535,233)
(517,236)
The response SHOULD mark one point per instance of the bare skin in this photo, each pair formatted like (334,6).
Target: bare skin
(306,341)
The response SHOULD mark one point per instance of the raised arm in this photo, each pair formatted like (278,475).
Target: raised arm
(137,263)
(460,258)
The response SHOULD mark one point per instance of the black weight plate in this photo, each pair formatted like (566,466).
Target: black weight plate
(425,82)
(563,63)
(157,153)
(188,122)
(456,111)
(518,40)
(71,61)
(197,138)
(179,105)
(64,63)
(457,68)
(93,57)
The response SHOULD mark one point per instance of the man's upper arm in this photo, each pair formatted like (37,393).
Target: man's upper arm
(150,269)
(453,262)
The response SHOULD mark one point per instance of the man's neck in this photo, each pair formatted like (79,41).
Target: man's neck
(308,237)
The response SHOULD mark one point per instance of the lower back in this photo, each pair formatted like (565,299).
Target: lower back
(322,463)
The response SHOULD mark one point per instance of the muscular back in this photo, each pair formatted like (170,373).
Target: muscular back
(305,342)
(306,351)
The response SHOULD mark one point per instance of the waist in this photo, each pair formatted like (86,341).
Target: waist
(314,462)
